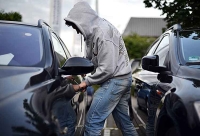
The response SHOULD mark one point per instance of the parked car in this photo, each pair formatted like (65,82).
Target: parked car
(170,70)
(143,96)
(141,89)
(33,92)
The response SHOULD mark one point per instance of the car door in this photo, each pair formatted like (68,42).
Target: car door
(143,94)
(77,103)
(160,47)
(163,51)
(143,77)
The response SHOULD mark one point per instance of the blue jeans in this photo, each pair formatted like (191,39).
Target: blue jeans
(66,116)
(111,97)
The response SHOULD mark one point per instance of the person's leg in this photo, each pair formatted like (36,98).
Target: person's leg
(66,116)
(121,111)
(103,103)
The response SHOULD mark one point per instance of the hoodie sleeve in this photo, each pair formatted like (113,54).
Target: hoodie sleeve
(107,59)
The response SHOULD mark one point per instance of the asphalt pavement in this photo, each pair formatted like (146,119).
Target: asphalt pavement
(139,121)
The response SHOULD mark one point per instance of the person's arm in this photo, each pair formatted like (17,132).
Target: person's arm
(76,88)
(107,62)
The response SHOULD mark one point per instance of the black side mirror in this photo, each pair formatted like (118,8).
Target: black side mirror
(165,77)
(151,63)
(77,66)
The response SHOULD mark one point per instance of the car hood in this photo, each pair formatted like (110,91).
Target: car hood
(14,79)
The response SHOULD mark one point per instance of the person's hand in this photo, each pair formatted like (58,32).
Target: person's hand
(83,86)
(70,77)
(76,88)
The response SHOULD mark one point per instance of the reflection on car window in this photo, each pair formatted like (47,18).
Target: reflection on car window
(60,54)
(152,49)
(6,58)
(162,55)
(162,50)
(190,46)
(65,49)
(20,45)
(164,42)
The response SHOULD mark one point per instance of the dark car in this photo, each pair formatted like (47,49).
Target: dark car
(141,89)
(171,71)
(35,98)
(143,96)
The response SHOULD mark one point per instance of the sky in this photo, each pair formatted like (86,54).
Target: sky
(118,12)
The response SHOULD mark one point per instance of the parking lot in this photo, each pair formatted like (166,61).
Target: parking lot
(139,121)
(54,54)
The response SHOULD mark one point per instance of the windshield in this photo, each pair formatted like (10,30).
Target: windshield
(20,45)
(190,47)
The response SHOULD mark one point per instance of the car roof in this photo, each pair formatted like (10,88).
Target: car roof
(39,24)
(15,22)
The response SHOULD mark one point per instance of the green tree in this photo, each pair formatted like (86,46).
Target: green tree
(10,16)
(136,45)
(184,12)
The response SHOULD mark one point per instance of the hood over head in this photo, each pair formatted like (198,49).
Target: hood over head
(83,17)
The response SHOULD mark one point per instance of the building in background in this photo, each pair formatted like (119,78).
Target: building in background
(151,27)
(55,15)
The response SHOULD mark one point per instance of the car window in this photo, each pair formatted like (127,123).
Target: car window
(190,46)
(162,55)
(152,49)
(164,42)
(60,54)
(162,50)
(65,49)
(20,45)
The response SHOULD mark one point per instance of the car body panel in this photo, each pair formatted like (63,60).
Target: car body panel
(22,76)
(179,95)
(28,93)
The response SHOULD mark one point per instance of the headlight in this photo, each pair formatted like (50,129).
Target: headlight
(197,108)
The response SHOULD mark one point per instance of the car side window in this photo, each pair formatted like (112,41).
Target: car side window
(162,50)
(164,42)
(60,53)
(162,55)
(152,49)
(65,49)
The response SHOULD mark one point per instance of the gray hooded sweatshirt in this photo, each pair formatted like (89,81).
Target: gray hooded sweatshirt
(104,44)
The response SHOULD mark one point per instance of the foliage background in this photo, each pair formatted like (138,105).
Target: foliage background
(10,16)
(184,12)
(136,45)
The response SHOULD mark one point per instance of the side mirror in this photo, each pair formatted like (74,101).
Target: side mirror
(151,63)
(77,66)
(165,77)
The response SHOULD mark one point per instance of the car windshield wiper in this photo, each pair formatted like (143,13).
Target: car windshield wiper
(192,63)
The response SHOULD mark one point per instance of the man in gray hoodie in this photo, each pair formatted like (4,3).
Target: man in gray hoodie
(106,49)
